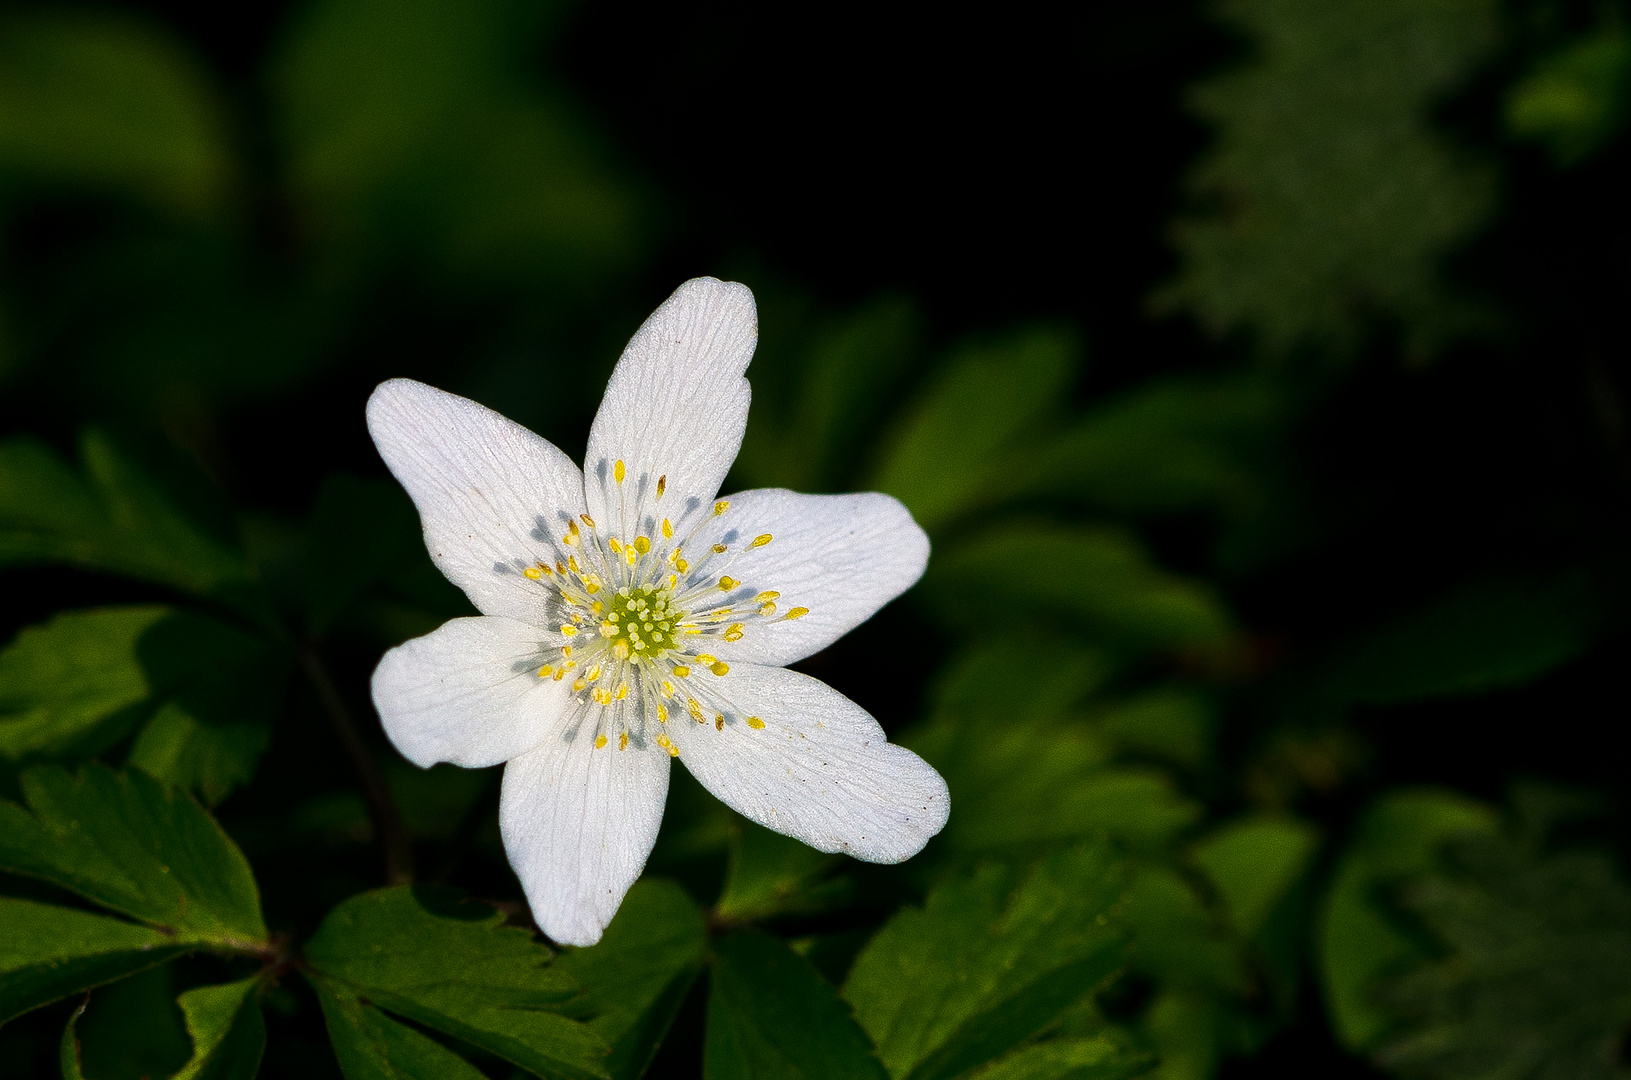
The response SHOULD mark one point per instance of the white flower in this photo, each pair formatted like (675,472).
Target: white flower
(628,617)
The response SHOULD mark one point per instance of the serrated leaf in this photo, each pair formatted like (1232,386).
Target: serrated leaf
(112,518)
(62,680)
(771,1017)
(1532,978)
(1336,200)
(227,1029)
(1098,582)
(1253,863)
(372,1046)
(635,978)
(988,963)
(96,100)
(48,952)
(1399,836)
(126,842)
(956,445)
(438,958)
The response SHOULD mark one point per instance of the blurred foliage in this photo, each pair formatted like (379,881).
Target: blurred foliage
(1236,625)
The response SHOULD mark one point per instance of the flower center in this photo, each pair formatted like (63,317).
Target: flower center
(641,621)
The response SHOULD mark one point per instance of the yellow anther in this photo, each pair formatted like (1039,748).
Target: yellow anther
(579,685)
(560,567)
(704,659)
(621,649)
(603,696)
(597,607)
(755,723)
(662,714)
(545,672)
(668,529)
(622,691)
(681,565)
(600,740)
(768,608)
(694,707)
(720,668)
(593,673)
(796,613)
(734,632)
(570,538)
(668,689)
(587,520)
(591,587)
(618,471)
(766,597)
(642,544)
(721,506)
(533,572)
(761,540)
(682,672)
(566,650)
(560,674)
(630,553)
(663,741)
(662,485)
(719,722)
(568,629)
(726,584)
(719,549)
(571,526)
(615,546)
(623,741)
(572,561)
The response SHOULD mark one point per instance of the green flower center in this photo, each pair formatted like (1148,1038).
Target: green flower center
(640,622)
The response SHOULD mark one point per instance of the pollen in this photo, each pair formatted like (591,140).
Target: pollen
(720,668)
(568,629)
(733,632)
(721,506)
(755,723)
(682,672)
(726,584)
(600,741)
(642,544)
(668,529)
(761,540)
(545,672)
(797,613)
(618,471)
(719,549)
(719,722)
(767,596)
(532,572)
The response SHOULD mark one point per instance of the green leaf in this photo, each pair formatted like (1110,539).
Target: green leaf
(1481,638)
(771,1017)
(133,1028)
(772,874)
(68,1049)
(99,101)
(1012,795)
(973,683)
(1067,1059)
(988,963)
(49,952)
(816,407)
(372,1046)
(435,957)
(62,681)
(1177,941)
(1098,583)
(210,759)
(1336,200)
(955,448)
(424,126)
(1574,99)
(1532,978)
(227,1029)
(1170,723)
(1254,863)
(635,978)
(127,843)
(1400,836)
(113,518)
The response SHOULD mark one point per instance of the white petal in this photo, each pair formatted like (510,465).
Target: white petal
(469,693)
(820,769)
(493,497)
(676,407)
(578,823)
(840,557)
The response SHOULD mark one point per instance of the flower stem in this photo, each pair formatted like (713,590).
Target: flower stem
(382,806)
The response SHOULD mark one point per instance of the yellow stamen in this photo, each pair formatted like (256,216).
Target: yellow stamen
(568,629)
(734,632)
(623,741)
(704,659)
(668,529)
(545,672)
(682,672)
(755,723)
(579,685)
(719,549)
(662,714)
(721,506)
(621,649)
(673,751)
(761,540)
(600,740)
(593,673)
(719,722)
(767,596)
(622,691)
(668,689)
(642,544)
(662,485)
(796,613)
(618,471)
(726,584)
(533,572)
(720,668)
(695,708)
(587,520)
(768,608)
(615,546)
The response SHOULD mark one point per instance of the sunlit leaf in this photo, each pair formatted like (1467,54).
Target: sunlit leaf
(102,102)
(988,963)
(372,1046)
(635,978)
(437,958)
(1253,863)
(1335,198)
(210,759)
(1574,100)
(126,842)
(113,518)
(1359,940)
(49,952)
(1097,582)
(227,1029)
(771,1017)
(955,448)
(1533,976)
